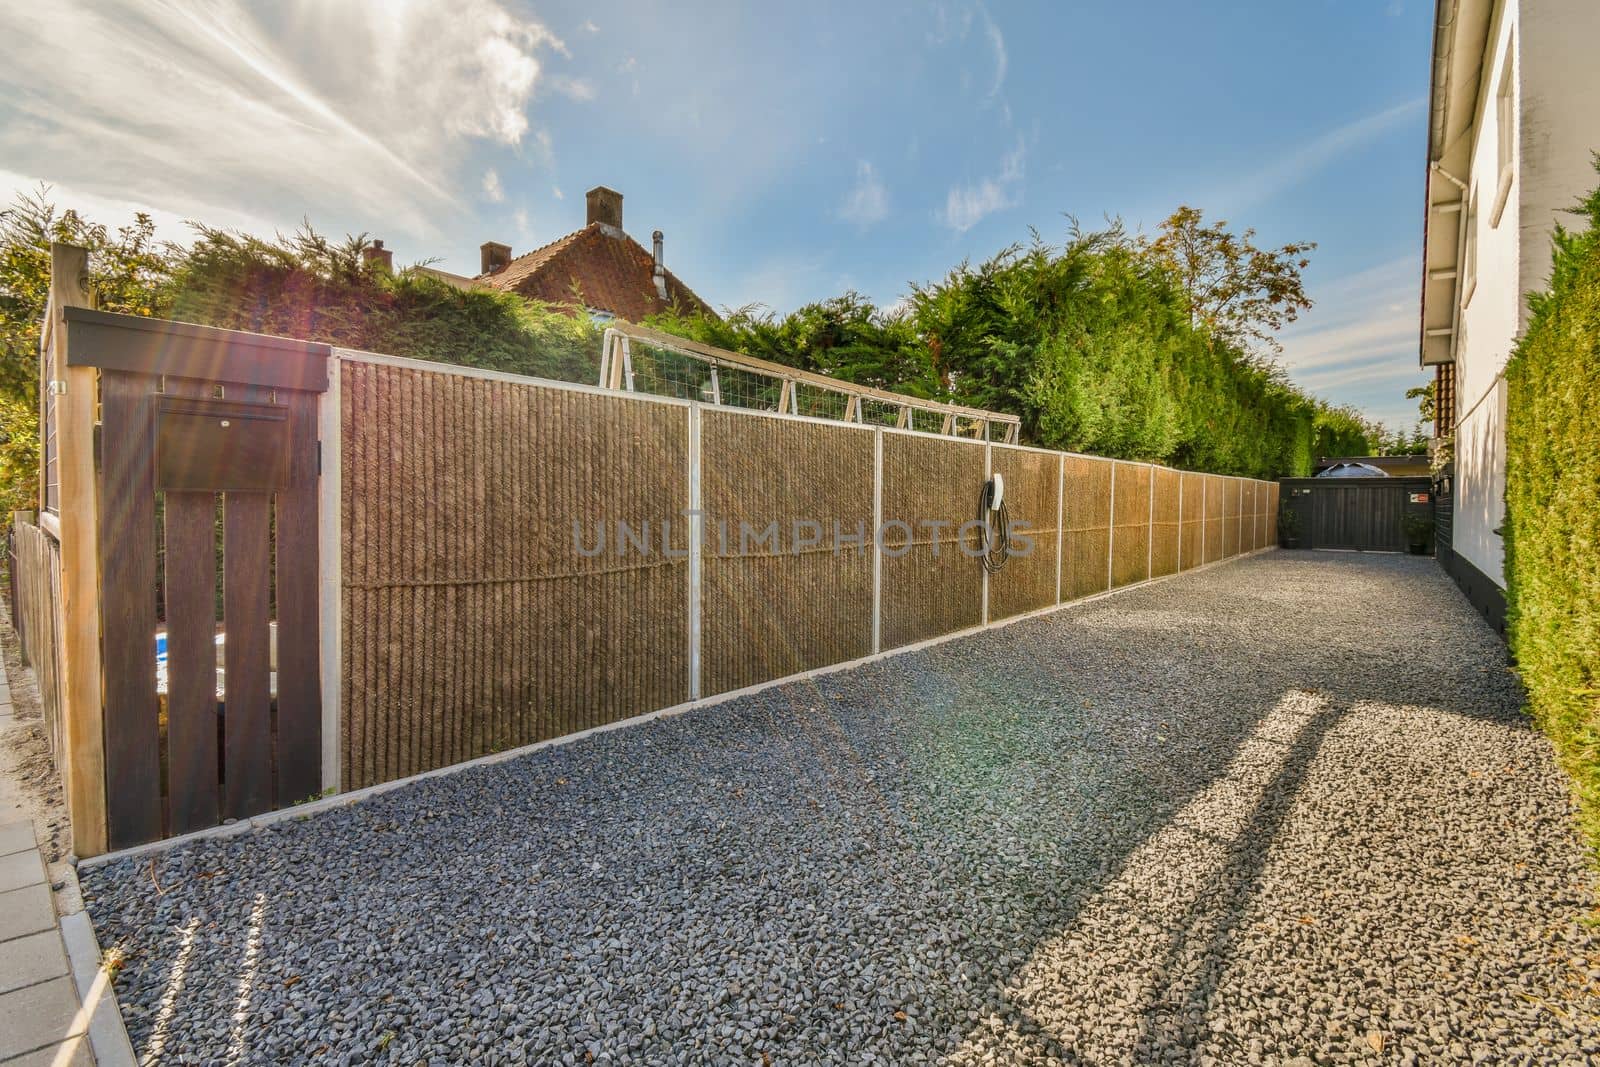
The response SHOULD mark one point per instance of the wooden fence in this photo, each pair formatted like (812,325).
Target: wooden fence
(35,566)
(473,621)
(275,569)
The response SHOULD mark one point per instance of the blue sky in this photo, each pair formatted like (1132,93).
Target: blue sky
(789,152)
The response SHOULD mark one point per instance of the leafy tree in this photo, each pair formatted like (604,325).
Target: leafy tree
(1095,345)
(1424,396)
(1240,293)
(128,273)
(308,286)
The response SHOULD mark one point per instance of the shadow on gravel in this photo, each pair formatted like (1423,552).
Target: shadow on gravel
(1036,842)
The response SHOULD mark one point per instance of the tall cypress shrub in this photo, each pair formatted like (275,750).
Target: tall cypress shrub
(1553,508)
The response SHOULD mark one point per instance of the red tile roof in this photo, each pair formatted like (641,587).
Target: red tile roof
(610,271)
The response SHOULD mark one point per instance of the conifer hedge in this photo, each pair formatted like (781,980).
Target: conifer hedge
(1553,508)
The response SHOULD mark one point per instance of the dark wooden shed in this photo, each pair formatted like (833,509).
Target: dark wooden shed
(1356,514)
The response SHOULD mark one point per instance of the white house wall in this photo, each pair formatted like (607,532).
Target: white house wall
(1489,320)
(1556,96)
(1560,113)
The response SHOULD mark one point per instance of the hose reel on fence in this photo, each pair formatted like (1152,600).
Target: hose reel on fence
(996,523)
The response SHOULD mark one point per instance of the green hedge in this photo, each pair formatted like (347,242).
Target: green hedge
(1553,508)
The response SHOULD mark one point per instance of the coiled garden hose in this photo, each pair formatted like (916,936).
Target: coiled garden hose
(996,550)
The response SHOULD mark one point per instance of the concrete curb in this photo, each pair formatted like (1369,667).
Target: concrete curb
(108,1037)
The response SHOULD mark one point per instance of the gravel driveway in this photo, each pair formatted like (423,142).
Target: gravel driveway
(1284,810)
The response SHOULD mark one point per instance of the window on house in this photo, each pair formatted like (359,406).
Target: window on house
(1505,122)
(1469,253)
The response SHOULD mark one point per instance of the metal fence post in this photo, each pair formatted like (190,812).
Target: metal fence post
(877,535)
(1111,525)
(330,556)
(696,547)
(1061,493)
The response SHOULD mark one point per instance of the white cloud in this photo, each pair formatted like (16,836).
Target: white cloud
(966,205)
(630,67)
(1287,169)
(298,108)
(1358,344)
(556,190)
(573,88)
(997,48)
(589,26)
(492,190)
(867,202)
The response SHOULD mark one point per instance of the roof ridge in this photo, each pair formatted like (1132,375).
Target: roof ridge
(548,246)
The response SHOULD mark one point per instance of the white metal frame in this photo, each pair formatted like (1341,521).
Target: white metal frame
(616,374)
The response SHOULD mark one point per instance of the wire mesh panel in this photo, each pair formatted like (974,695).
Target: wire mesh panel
(1027,581)
(1193,507)
(819,403)
(1130,543)
(514,565)
(746,389)
(1164,531)
(1216,486)
(787,581)
(875,412)
(1086,517)
(663,372)
(929,585)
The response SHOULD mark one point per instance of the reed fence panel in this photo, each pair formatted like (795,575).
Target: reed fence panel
(1027,582)
(776,605)
(472,622)
(929,586)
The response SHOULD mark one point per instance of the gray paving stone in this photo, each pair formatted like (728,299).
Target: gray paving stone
(20,869)
(26,911)
(25,961)
(17,837)
(73,1053)
(38,1016)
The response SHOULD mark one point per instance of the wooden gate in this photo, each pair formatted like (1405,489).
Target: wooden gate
(1356,514)
(205,527)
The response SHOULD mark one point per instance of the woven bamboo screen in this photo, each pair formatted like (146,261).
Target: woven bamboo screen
(1232,499)
(1130,543)
(1215,491)
(1028,581)
(1254,495)
(1247,516)
(471,622)
(1086,518)
(773,611)
(933,587)
(1194,504)
(1164,531)
(480,611)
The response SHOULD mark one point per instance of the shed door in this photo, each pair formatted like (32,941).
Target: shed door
(1365,518)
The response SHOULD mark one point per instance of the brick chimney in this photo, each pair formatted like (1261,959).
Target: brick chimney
(605,207)
(492,256)
(379,256)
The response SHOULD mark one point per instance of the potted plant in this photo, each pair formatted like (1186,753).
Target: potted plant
(1288,526)
(1418,528)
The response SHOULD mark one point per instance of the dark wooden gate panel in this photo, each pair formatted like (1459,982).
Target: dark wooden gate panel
(127,537)
(192,418)
(1354,514)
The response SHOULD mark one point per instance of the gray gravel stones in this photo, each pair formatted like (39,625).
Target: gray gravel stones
(1280,811)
